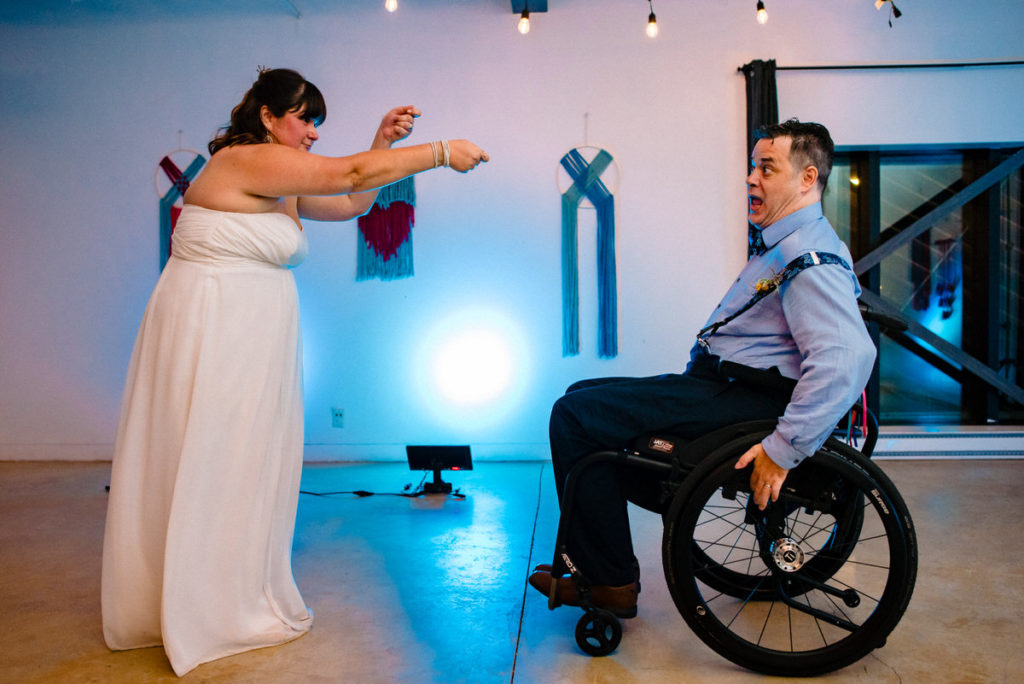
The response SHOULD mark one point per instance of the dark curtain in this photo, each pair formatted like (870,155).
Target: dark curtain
(762,108)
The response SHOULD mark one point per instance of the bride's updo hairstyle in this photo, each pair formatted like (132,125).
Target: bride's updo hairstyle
(281,90)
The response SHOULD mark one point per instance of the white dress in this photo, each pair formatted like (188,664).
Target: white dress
(205,479)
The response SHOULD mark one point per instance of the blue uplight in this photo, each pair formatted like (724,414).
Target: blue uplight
(471,368)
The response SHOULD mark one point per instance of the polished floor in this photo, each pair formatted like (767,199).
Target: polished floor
(433,589)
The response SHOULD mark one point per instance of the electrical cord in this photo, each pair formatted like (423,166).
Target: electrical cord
(407,492)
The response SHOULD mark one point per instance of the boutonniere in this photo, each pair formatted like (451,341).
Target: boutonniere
(767,285)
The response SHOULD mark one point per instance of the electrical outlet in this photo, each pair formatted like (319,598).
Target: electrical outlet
(337,417)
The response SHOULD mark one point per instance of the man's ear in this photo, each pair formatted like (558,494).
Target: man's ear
(809,178)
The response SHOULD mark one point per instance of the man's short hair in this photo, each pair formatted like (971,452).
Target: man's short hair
(812,145)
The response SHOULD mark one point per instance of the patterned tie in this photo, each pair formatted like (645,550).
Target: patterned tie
(755,242)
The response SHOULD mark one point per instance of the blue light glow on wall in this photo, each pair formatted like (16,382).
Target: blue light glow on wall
(471,368)
(916,391)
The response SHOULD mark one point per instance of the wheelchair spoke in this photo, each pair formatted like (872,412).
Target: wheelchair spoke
(742,605)
(737,531)
(813,529)
(735,561)
(749,561)
(715,516)
(865,564)
(876,537)
(817,625)
(732,527)
(764,625)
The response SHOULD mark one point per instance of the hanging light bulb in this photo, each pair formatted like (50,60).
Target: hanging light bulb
(652,21)
(762,14)
(652,26)
(390,5)
(894,11)
(524,22)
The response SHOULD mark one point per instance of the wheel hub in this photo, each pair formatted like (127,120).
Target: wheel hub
(788,555)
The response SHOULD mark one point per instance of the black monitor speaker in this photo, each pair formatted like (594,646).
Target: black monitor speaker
(438,458)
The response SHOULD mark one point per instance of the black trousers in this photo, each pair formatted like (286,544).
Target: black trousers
(609,413)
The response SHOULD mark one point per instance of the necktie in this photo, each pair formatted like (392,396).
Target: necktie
(756,242)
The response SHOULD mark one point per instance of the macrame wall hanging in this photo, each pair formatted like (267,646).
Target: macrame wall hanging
(385,234)
(171,183)
(582,169)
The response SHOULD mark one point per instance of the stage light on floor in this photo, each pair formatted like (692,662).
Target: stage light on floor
(438,458)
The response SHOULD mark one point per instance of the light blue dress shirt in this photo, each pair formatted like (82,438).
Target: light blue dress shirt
(811,329)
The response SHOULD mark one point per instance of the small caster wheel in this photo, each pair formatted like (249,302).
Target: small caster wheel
(598,632)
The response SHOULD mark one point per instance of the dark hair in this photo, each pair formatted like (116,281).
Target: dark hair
(281,90)
(812,145)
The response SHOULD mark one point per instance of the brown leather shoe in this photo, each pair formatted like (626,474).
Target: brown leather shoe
(547,567)
(619,601)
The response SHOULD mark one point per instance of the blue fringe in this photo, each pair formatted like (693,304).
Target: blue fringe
(570,276)
(370,264)
(400,191)
(586,181)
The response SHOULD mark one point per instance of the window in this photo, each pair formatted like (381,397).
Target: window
(958,282)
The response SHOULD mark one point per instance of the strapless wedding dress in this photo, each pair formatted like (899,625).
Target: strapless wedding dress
(208,456)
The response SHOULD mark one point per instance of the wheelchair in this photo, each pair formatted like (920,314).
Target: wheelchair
(813,583)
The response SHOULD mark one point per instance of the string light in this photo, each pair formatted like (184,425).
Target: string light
(894,11)
(390,5)
(652,21)
(762,13)
(524,22)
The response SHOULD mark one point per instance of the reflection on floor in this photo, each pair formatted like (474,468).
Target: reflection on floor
(432,589)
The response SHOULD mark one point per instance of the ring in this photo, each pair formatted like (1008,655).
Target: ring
(766,485)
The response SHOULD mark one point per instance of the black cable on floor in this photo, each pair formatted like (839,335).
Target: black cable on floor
(362,493)
(529,562)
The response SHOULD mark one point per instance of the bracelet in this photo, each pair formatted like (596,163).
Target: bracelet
(447,153)
(433,152)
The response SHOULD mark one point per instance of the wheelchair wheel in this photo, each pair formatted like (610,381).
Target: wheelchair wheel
(828,569)
(598,632)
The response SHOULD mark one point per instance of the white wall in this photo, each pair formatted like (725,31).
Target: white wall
(93,98)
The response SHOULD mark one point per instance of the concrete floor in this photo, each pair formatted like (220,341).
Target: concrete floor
(432,589)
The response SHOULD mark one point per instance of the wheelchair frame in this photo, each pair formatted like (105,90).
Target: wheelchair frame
(742,589)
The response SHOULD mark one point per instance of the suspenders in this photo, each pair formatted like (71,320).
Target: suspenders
(766,286)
